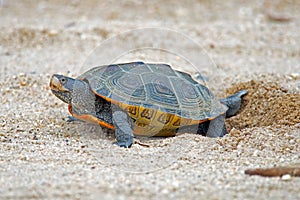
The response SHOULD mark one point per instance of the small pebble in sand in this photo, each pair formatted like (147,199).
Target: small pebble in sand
(286,177)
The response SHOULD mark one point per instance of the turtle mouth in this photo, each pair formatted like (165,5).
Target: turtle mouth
(56,85)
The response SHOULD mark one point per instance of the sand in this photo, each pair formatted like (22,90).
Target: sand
(234,45)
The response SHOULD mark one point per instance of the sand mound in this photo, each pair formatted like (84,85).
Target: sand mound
(266,104)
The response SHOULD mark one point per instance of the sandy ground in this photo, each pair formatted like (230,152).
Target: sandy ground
(234,45)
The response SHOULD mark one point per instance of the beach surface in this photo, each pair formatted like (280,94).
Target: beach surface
(233,45)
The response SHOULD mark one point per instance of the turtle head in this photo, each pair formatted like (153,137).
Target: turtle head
(62,87)
(74,92)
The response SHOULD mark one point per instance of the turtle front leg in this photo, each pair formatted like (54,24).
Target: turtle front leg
(216,127)
(123,129)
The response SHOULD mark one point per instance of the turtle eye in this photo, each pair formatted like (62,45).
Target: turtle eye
(63,80)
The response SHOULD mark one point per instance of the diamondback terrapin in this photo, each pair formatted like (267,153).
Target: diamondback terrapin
(145,99)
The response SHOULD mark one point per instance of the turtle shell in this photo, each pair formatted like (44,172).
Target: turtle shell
(154,93)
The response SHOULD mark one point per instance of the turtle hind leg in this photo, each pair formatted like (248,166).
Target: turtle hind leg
(212,128)
(233,102)
(123,129)
(216,127)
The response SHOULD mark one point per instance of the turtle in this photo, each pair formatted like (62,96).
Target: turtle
(145,99)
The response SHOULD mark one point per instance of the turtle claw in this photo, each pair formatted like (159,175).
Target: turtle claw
(123,144)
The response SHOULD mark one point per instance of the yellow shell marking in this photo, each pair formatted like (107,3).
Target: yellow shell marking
(148,122)
(151,122)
